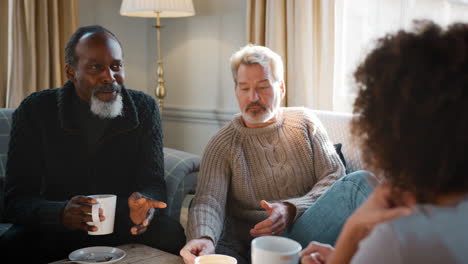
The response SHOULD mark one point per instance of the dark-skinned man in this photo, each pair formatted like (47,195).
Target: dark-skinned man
(91,136)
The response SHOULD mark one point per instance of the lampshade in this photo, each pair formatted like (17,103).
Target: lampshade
(148,8)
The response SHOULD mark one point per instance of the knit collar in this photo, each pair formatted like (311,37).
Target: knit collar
(127,121)
(241,128)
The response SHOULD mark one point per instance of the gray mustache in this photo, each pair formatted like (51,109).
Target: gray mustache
(255,104)
(107,88)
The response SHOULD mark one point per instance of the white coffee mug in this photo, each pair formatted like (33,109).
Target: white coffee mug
(275,250)
(215,259)
(107,202)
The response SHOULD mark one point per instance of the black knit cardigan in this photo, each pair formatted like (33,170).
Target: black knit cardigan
(48,161)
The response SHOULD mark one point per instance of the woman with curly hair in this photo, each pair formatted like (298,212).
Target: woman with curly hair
(412,124)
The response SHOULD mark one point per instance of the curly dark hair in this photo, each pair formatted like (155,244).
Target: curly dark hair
(412,109)
(70,56)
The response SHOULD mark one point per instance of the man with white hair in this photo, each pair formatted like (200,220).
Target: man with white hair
(91,136)
(264,172)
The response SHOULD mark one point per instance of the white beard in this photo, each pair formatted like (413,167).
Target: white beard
(265,116)
(110,109)
(258,118)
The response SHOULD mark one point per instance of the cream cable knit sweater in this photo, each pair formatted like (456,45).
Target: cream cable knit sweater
(291,161)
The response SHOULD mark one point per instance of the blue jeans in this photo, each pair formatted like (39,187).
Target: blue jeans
(323,221)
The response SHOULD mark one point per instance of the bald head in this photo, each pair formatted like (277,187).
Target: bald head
(96,45)
(70,56)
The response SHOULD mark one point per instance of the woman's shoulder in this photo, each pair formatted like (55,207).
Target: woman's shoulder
(428,217)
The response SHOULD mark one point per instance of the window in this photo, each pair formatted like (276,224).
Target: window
(358,23)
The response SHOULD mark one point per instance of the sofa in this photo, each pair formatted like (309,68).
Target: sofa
(337,125)
(181,168)
(180,172)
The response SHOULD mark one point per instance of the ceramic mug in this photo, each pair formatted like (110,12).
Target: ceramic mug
(215,259)
(275,250)
(107,202)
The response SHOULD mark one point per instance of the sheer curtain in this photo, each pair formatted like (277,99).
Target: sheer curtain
(37,31)
(302,32)
(322,41)
(360,22)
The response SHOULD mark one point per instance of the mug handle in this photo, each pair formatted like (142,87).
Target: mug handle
(95,213)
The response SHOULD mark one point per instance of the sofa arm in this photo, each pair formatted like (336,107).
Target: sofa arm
(180,172)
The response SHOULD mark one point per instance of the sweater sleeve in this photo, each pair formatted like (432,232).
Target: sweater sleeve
(328,167)
(150,175)
(207,213)
(25,170)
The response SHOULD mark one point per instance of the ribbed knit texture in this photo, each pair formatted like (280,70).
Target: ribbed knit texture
(292,161)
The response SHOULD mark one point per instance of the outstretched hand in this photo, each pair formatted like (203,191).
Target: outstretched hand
(280,216)
(316,253)
(195,248)
(142,210)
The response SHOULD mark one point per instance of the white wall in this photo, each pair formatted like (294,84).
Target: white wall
(195,50)
(131,31)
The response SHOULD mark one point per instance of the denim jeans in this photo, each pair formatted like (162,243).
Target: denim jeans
(323,221)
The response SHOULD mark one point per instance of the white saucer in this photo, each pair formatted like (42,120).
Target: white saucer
(101,255)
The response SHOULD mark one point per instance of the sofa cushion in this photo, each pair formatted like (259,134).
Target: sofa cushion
(5,125)
(180,173)
(2,180)
(338,128)
(340,154)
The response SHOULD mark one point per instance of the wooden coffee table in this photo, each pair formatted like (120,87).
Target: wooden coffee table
(142,254)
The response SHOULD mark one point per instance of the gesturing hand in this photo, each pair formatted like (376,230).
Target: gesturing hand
(280,216)
(195,248)
(77,213)
(142,211)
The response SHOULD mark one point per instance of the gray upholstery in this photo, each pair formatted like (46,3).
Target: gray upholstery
(5,125)
(181,169)
(337,125)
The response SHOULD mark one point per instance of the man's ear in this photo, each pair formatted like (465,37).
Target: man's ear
(70,72)
(282,89)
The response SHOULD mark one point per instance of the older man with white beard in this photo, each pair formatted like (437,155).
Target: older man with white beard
(91,136)
(105,109)
(264,172)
